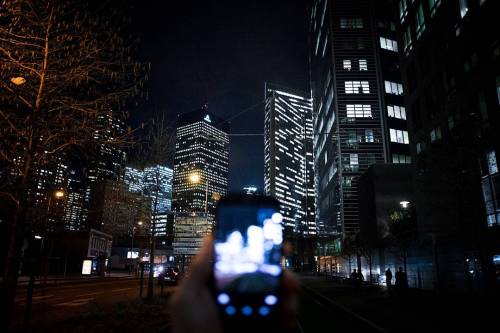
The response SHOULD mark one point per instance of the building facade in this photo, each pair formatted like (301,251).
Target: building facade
(201,162)
(359,116)
(450,62)
(155,183)
(288,160)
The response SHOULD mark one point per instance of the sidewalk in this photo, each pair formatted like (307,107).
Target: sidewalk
(23,281)
(414,311)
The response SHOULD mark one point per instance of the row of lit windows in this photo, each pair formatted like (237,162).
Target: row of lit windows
(388,44)
(396,111)
(351,23)
(399,136)
(401,159)
(359,111)
(354,87)
(393,88)
(362,64)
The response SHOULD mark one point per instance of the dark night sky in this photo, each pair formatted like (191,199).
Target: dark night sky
(221,53)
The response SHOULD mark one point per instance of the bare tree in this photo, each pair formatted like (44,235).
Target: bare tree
(61,65)
(155,149)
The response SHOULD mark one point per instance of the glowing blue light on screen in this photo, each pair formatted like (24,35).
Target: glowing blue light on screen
(270,300)
(246,310)
(230,310)
(223,298)
(264,311)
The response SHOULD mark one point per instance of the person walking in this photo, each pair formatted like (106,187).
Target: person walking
(388,278)
(356,279)
(401,280)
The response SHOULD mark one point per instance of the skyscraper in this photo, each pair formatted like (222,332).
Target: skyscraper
(288,162)
(359,116)
(201,161)
(154,182)
(451,66)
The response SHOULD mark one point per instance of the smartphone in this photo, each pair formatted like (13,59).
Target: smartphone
(247,271)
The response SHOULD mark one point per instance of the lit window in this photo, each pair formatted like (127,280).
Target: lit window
(359,111)
(420,20)
(433,5)
(436,134)
(354,23)
(399,136)
(396,111)
(401,159)
(463,7)
(353,87)
(393,88)
(492,162)
(491,190)
(363,65)
(420,146)
(369,136)
(388,44)
(353,159)
(347,64)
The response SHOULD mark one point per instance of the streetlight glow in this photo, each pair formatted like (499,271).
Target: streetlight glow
(194,178)
(18,80)
(404,203)
(139,223)
(59,194)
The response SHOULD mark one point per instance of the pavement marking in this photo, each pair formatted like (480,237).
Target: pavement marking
(90,294)
(76,302)
(122,289)
(363,319)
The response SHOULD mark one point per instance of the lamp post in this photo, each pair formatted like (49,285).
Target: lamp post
(139,223)
(58,194)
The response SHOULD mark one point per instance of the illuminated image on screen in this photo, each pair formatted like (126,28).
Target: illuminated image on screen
(248,250)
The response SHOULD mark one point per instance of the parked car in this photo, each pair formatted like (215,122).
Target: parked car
(169,275)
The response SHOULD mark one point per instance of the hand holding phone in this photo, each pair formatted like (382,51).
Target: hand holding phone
(247,270)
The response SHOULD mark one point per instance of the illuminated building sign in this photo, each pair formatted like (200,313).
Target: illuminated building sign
(207,119)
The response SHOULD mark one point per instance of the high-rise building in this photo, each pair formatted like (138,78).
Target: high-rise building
(108,161)
(288,161)
(201,162)
(154,182)
(358,111)
(450,62)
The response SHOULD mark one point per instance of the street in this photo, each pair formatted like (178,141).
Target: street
(65,301)
(322,304)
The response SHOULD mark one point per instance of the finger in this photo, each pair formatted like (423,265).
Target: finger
(290,300)
(200,271)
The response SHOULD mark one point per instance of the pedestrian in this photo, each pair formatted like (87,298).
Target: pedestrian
(356,279)
(388,278)
(401,280)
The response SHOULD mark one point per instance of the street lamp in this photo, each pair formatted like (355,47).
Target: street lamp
(18,80)
(404,204)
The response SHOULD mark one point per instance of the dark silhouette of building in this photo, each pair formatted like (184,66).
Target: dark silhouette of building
(450,62)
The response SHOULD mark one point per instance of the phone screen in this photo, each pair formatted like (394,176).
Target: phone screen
(247,250)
